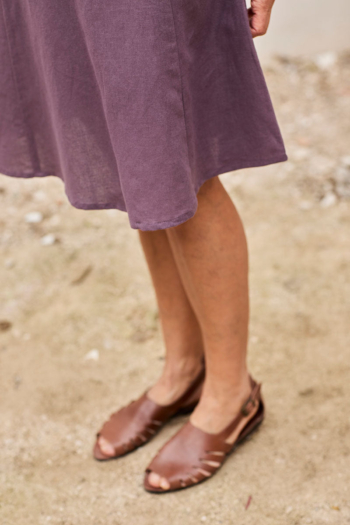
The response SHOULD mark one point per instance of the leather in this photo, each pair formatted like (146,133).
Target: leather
(193,455)
(135,424)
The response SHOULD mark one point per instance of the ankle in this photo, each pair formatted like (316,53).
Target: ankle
(184,367)
(227,390)
(176,378)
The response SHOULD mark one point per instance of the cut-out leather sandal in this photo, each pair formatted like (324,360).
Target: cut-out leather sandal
(193,456)
(137,423)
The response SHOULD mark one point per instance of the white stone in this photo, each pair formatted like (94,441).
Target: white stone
(48,239)
(93,355)
(328,200)
(112,212)
(326,60)
(33,217)
(289,510)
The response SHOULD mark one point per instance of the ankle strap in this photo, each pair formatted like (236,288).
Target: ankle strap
(245,410)
(248,405)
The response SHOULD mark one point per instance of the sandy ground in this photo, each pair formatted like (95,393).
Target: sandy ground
(89,290)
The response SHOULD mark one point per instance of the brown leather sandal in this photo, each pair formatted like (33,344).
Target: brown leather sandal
(136,424)
(192,455)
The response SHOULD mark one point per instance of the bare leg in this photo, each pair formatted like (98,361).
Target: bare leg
(211,253)
(181,331)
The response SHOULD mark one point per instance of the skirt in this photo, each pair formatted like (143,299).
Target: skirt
(134,104)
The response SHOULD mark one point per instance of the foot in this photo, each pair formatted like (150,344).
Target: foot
(175,380)
(212,414)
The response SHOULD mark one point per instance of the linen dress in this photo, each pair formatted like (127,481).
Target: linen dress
(134,104)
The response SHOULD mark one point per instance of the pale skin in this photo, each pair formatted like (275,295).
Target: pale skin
(199,271)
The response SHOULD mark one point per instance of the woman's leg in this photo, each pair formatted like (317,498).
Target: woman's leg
(211,253)
(181,331)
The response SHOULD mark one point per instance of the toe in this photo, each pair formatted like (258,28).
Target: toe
(157,481)
(106,447)
(154,479)
(164,484)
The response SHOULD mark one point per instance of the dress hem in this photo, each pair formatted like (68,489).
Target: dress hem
(156,225)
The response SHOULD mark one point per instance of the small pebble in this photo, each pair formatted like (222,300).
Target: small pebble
(48,240)
(326,60)
(33,217)
(93,355)
(328,200)
(112,212)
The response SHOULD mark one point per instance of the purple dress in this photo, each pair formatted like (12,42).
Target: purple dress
(132,103)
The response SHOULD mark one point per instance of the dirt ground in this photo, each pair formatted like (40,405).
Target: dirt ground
(80,337)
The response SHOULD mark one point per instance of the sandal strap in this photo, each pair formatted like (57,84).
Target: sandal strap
(193,455)
(245,410)
(136,423)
